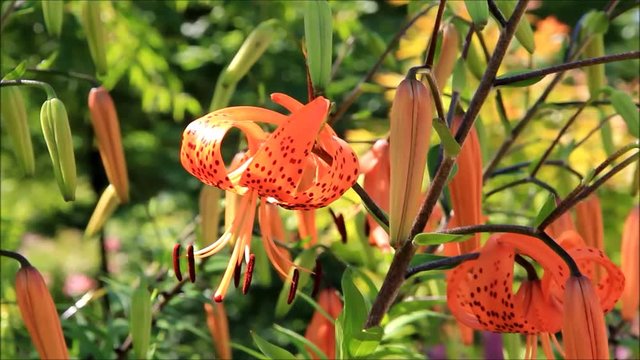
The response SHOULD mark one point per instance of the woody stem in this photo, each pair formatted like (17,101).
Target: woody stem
(402,258)
(431,50)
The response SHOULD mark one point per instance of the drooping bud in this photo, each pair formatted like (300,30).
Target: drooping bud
(596,78)
(584,331)
(321,331)
(524,33)
(106,126)
(53,11)
(448,54)
(107,204)
(96,35)
(14,117)
(465,187)
(39,314)
(57,135)
(630,264)
(219,329)
(589,222)
(409,143)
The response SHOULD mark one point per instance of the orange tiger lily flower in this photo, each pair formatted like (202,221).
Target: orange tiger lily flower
(280,168)
(630,264)
(589,221)
(219,329)
(479,292)
(465,187)
(321,331)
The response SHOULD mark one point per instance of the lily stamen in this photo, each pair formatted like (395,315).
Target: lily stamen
(176,261)
(248,275)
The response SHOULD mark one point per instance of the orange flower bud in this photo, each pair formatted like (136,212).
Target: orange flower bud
(560,225)
(589,222)
(39,314)
(583,330)
(409,143)
(443,69)
(465,187)
(219,329)
(630,264)
(107,129)
(321,331)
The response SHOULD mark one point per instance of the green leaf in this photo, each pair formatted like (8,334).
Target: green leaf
(479,11)
(524,33)
(318,32)
(459,76)
(356,341)
(606,134)
(272,351)
(17,72)
(249,351)
(424,239)
(522,83)
(301,342)
(593,23)
(545,210)
(624,105)
(394,326)
(451,146)
(140,320)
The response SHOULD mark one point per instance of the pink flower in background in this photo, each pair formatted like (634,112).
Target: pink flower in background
(76,284)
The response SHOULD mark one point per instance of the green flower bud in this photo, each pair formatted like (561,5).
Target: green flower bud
(53,11)
(57,135)
(14,115)
(96,36)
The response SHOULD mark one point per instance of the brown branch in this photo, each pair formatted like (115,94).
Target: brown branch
(431,49)
(505,80)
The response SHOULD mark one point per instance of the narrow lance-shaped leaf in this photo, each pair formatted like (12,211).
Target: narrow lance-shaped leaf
(318,31)
(425,239)
(524,33)
(272,351)
(624,105)
(140,320)
(479,11)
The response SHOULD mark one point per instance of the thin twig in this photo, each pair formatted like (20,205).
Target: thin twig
(11,7)
(505,80)
(431,49)
(593,131)
(528,180)
(497,14)
(70,74)
(516,167)
(371,205)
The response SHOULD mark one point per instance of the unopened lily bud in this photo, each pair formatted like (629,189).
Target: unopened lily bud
(57,134)
(14,117)
(107,204)
(584,331)
(524,33)
(448,54)
(589,222)
(39,314)
(409,143)
(321,331)
(209,203)
(219,328)
(96,35)
(596,78)
(106,126)
(475,62)
(630,264)
(53,11)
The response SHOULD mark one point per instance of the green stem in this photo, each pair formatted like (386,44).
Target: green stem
(40,84)
(69,74)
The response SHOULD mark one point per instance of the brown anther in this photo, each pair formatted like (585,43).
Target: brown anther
(236,274)
(367,228)
(317,278)
(294,286)
(339,221)
(176,261)
(248,275)
(192,264)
